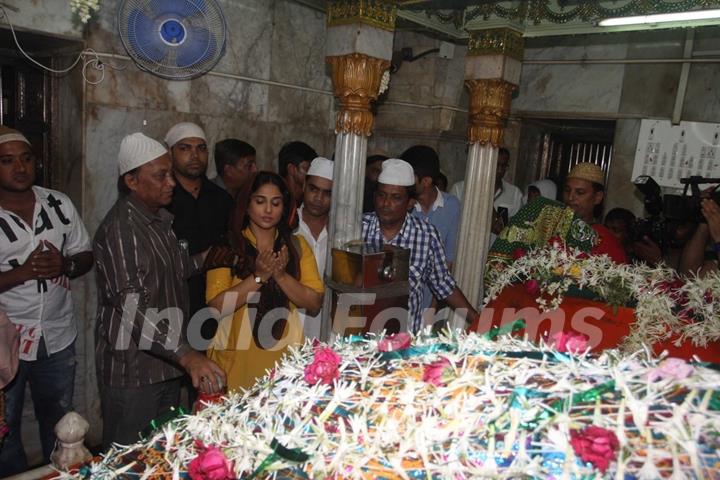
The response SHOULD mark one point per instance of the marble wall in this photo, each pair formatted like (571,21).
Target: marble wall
(434,88)
(625,92)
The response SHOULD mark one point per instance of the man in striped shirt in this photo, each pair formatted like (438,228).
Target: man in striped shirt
(142,270)
(391,223)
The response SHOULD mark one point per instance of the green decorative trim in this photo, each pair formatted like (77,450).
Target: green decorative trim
(496,41)
(376,13)
(538,11)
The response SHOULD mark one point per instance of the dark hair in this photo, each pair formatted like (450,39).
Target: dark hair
(597,211)
(375,158)
(423,159)
(239,217)
(504,151)
(229,151)
(294,153)
(442,182)
(620,215)
(533,189)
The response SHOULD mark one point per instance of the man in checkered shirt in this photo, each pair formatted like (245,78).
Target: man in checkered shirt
(391,223)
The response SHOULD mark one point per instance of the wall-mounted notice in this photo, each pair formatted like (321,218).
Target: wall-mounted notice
(670,152)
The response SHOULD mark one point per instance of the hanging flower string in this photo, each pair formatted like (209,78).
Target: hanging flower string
(84,8)
(667,307)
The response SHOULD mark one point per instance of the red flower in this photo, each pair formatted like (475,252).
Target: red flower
(438,372)
(708,296)
(532,287)
(570,342)
(324,367)
(518,253)
(595,445)
(211,464)
(392,343)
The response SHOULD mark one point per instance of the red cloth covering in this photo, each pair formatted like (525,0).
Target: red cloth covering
(608,244)
(605,326)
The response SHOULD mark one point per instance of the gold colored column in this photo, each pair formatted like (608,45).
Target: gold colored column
(356,82)
(492,71)
(489,109)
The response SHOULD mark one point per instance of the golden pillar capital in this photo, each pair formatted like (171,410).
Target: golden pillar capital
(356,82)
(496,41)
(489,108)
(377,13)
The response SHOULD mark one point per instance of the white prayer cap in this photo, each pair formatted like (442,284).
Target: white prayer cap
(397,172)
(183,130)
(136,150)
(8,134)
(321,167)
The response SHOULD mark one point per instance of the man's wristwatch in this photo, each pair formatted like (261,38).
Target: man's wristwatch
(69,267)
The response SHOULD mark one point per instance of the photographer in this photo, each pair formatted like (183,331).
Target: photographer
(696,257)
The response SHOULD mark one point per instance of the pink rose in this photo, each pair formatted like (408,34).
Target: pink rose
(675,368)
(324,367)
(532,287)
(595,445)
(392,343)
(327,354)
(570,342)
(211,464)
(438,372)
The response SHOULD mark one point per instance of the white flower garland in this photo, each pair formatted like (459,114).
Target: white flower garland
(666,305)
(500,404)
(84,8)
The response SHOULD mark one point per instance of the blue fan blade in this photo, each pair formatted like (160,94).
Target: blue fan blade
(176,9)
(144,38)
(196,48)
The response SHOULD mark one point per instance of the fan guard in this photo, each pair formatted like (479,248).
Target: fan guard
(173,39)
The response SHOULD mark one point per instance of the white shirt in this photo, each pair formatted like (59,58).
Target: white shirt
(508,196)
(41,308)
(319,247)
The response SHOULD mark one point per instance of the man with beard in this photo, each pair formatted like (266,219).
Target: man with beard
(201,209)
(391,223)
(313,221)
(43,244)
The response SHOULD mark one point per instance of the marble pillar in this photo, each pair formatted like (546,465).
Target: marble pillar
(492,71)
(359,49)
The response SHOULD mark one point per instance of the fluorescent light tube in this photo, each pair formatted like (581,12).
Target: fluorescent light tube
(661,17)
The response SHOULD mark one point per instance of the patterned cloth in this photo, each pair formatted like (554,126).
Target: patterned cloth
(534,226)
(428,265)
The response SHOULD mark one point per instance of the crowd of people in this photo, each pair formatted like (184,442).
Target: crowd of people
(206,282)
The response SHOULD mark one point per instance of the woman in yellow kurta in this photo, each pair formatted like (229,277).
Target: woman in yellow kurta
(280,267)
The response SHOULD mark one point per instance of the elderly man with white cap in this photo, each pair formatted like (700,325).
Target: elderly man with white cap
(313,220)
(141,348)
(201,209)
(391,223)
(43,243)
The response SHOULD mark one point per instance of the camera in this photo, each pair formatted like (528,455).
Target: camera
(667,212)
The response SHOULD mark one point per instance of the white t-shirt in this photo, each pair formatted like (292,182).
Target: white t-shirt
(41,308)
(508,196)
(311,325)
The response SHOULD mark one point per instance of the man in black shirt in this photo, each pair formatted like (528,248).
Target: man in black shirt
(201,210)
